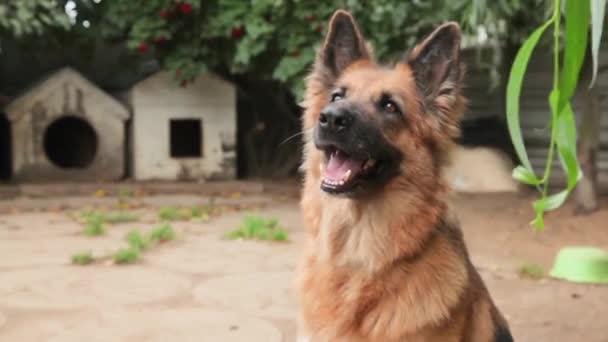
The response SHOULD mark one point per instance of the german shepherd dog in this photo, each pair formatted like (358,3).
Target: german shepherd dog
(385,259)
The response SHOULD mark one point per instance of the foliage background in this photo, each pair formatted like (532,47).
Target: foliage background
(265,47)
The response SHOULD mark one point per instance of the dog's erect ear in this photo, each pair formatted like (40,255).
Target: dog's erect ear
(343,45)
(436,66)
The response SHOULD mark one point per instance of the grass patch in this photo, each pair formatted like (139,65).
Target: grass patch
(124,194)
(126,256)
(531,270)
(202,213)
(174,214)
(94,228)
(185,214)
(112,217)
(116,217)
(162,233)
(205,212)
(258,228)
(137,241)
(83,258)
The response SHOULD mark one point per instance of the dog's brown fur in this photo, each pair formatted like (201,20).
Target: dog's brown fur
(391,266)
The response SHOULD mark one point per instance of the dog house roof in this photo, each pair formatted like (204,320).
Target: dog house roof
(161,89)
(53,83)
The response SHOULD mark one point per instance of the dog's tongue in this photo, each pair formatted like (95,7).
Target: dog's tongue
(339,164)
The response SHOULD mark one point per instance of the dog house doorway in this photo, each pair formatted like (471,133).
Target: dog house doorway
(185,138)
(5,148)
(70,142)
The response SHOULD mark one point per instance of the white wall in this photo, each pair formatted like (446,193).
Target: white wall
(156,100)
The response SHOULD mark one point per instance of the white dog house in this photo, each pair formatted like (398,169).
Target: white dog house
(64,129)
(184,133)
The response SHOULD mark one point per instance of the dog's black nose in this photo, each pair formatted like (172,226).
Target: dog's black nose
(335,119)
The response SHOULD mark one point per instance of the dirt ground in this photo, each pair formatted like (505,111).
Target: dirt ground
(203,287)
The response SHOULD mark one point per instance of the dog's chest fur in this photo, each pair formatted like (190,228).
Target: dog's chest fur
(359,280)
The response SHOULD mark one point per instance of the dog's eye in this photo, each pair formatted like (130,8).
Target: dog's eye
(336,97)
(390,107)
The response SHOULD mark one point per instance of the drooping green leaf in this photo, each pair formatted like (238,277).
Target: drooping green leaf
(524,176)
(514,85)
(566,144)
(577,26)
(545,204)
(556,200)
(597,26)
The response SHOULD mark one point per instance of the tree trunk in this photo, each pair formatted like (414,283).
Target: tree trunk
(588,145)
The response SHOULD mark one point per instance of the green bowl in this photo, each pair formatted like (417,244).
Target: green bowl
(581,265)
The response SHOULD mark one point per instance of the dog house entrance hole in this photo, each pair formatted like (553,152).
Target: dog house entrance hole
(186,138)
(5,148)
(70,143)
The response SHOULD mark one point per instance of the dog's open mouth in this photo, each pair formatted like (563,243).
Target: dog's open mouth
(342,171)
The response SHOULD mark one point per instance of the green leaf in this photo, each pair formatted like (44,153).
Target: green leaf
(523,175)
(291,66)
(554,101)
(514,85)
(556,200)
(566,146)
(597,24)
(547,204)
(539,207)
(577,25)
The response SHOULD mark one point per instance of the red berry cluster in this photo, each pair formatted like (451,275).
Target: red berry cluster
(185,8)
(237,32)
(180,7)
(311,19)
(142,47)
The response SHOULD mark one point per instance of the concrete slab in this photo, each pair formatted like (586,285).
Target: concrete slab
(27,226)
(211,256)
(94,286)
(159,325)
(51,251)
(263,293)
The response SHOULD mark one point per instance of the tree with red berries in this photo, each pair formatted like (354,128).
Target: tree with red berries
(275,40)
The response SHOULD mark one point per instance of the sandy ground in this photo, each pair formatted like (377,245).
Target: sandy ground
(203,287)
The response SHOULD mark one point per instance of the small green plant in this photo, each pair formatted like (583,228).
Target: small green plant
(113,217)
(94,228)
(162,233)
(83,258)
(116,217)
(124,192)
(91,215)
(123,197)
(174,214)
(137,241)
(204,212)
(126,256)
(258,228)
(197,212)
(531,270)
(280,235)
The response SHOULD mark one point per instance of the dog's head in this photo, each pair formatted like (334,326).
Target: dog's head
(370,124)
